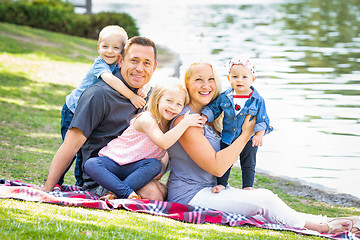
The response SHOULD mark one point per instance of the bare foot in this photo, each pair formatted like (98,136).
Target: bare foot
(338,225)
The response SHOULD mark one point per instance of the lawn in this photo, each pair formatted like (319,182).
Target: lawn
(37,70)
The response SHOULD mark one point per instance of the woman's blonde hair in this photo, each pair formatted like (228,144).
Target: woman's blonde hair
(218,122)
(189,71)
(159,90)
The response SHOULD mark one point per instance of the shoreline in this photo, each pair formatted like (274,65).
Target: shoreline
(300,188)
(292,186)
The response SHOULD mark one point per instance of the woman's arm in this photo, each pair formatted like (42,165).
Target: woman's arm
(147,124)
(199,149)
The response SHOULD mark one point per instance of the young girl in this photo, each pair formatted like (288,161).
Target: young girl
(236,102)
(132,160)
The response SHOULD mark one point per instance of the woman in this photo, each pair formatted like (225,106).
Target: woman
(195,162)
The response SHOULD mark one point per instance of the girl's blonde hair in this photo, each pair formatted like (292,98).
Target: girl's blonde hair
(159,90)
(218,122)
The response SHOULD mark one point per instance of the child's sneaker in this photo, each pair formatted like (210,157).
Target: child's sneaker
(57,188)
(133,195)
(108,196)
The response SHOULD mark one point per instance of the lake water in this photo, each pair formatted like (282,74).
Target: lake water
(307,55)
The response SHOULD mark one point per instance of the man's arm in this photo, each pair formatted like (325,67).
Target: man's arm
(73,141)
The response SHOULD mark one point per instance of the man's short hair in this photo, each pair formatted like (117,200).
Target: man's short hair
(143,41)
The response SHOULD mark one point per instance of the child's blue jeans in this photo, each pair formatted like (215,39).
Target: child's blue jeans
(66,118)
(122,179)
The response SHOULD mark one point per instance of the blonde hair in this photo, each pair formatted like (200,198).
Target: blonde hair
(188,72)
(158,91)
(114,30)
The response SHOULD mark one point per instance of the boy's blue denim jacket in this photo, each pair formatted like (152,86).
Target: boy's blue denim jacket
(255,106)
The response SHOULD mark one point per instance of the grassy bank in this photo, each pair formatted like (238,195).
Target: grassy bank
(37,70)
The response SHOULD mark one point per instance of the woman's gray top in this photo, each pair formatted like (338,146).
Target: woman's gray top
(186,177)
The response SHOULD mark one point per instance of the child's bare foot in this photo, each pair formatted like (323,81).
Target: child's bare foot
(217,189)
(249,188)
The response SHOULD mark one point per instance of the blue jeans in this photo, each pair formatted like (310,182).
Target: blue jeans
(122,179)
(66,118)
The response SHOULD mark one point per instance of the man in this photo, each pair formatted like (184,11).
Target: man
(103,114)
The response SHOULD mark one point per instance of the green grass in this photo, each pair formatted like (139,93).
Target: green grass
(28,220)
(30,103)
(29,137)
(29,130)
(36,43)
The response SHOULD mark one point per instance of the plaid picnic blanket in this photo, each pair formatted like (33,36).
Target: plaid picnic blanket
(74,196)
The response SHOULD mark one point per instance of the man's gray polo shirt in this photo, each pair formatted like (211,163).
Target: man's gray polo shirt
(102,114)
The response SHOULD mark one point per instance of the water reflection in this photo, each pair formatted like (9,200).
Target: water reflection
(329,30)
(307,55)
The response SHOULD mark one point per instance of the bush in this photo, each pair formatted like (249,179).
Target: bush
(46,14)
(79,26)
(59,16)
(102,19)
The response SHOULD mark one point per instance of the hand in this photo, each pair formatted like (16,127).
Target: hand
(137,101)
(217,189)
(164,162)
(248,126)
(193,119)
(204,119)
(141,92)
(257,140)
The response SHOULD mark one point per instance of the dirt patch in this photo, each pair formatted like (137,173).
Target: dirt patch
(47,71)
(38,40)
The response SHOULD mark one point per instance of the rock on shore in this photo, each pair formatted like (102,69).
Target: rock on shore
(295,187)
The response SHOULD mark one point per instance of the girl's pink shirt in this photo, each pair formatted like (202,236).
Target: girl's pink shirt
(131,146)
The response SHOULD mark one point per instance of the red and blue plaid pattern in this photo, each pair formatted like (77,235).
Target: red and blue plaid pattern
(73,196)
